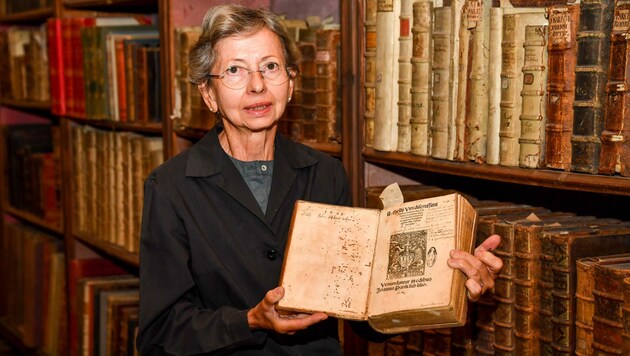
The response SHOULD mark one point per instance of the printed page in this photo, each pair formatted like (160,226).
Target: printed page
(329,259)
(410,270)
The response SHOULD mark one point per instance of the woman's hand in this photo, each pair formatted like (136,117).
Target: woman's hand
(481,269)
(265,316)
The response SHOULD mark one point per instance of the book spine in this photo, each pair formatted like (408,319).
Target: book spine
(494,85)
(533,109)
(440,99)
(584,306)
(477,109)
(625,335)
(545,287)
(593,46)
(609,301)
(405,44)
(456,75)
(562,48)
(563,303)
(457,132)
(617,102)
(369,81)
(385,114)
(421,77)
(504,315)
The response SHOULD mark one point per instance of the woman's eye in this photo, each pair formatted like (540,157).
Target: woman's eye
(272,66)
(232,70)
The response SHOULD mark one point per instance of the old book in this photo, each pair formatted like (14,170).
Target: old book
(614,154)
(476,120)
(109,300)
(328,40)
(382,265)
(387,50)
(369,79)
(494,86)
(441,97)
(512,61)
(591,71)
(461,74)
(608,293)
(534,104)
(56,67)
(625,335)
(405,49)
(570,245)
(88,289)
(562,49)
(422,33)
(584,300)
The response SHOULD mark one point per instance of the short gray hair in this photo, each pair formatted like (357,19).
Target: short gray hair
(229,20)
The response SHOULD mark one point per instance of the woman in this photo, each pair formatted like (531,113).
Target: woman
(216,217)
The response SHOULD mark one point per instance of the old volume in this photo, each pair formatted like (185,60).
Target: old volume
(385,266)
(562,49)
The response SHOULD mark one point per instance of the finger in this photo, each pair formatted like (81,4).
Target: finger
(298,322)
(474,290)
(489,244)
(272,297)
(493,263)
(473,268)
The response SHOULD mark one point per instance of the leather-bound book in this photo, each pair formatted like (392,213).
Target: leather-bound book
(615,154)
(533,110)
(461,74)
(584,299)
(626,317)
(562,49)
(608,293)
(369,79)
(327,42)
(422,33)
(494,86)
(591,71)
(56,67)
(387,50)
(437,341)
(570,245)
(405,49)
(512,61)
(476,119)
(441,98)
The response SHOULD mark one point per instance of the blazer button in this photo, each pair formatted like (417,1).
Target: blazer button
(272,254)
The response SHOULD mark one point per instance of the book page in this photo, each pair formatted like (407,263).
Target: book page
(410,270)
(328,260)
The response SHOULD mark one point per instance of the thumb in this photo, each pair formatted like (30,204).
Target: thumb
(275,295)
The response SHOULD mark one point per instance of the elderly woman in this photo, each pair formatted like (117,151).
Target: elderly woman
(216,216)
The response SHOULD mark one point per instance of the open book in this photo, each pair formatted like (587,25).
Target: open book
(384,266)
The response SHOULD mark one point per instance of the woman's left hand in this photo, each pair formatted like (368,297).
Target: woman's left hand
(482,268)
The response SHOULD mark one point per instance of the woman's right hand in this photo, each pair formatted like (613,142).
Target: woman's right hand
(265,316)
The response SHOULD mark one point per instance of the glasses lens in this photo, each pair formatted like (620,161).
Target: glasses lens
(276,76)
(237,78)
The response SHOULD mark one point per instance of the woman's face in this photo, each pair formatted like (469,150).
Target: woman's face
(259,104)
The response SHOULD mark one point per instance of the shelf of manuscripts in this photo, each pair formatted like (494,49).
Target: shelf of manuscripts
(108,172)
(534,95)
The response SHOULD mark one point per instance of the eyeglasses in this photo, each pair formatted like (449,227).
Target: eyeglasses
(236,77)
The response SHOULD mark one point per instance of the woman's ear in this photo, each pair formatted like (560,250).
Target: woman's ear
(208,95)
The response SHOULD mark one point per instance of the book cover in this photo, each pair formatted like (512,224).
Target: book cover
(385,266)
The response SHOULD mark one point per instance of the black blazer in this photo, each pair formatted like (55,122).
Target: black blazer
(208,254)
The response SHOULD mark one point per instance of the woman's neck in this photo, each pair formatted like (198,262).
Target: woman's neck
(248,146)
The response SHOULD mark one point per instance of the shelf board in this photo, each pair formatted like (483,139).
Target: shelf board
(536,177)
(33,219)
(333,149)
(25,104)
(149,128)
(35,15)
(133,4)
(110,249)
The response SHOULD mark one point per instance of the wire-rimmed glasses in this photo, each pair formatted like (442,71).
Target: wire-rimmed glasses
(236,77)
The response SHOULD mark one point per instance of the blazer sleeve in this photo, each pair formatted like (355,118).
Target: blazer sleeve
(173,319)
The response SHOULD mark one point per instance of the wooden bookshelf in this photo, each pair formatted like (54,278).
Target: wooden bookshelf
(37,15)
(12,336)
(149,128)
(111,250)
(535,177)
(26,105)
(34,220)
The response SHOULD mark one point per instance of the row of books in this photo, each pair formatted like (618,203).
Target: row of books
(25,60)
(105,68)
(32,273)
(34,170)
(535,87)
(108,184)
(561,290)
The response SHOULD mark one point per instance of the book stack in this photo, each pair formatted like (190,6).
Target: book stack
(560,290)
